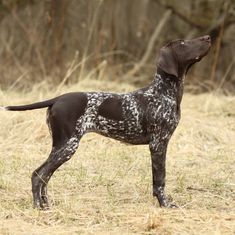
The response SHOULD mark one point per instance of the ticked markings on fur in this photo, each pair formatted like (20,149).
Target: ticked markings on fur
(124,117)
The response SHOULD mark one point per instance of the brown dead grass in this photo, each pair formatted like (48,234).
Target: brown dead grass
(106,187)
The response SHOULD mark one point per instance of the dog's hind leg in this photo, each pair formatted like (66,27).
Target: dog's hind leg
(42,175)
(66,134)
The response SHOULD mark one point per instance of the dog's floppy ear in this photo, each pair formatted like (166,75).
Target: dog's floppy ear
(167,62)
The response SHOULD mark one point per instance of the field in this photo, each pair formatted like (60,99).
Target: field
(106,187)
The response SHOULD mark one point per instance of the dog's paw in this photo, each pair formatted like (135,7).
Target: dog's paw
(171,205)
(168,204)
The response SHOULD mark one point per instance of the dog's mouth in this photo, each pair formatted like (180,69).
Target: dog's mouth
(195,60)
(199,57)
(203,53)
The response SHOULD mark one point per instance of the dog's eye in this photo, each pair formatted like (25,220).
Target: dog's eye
(182,42)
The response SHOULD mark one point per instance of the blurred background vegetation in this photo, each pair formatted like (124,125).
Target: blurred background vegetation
(61,41)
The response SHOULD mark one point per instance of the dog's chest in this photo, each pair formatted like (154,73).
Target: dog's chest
(164,113)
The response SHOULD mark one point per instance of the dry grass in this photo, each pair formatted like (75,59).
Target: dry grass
(106,187)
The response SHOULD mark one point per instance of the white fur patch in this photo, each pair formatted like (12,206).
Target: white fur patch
(3,108)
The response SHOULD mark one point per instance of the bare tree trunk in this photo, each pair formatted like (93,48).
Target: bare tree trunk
(57,16)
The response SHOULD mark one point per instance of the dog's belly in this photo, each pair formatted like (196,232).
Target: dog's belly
(133,138)
(128,131)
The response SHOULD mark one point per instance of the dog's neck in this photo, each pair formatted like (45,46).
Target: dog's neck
(169,77)
(168,84)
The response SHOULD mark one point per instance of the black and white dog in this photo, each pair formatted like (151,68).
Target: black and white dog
(145,116)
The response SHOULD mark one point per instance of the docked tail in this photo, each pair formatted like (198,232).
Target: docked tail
(38,105)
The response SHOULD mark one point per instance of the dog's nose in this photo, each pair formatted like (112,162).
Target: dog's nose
(206,38)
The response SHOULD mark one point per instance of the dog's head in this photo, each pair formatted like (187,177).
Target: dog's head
(178,56)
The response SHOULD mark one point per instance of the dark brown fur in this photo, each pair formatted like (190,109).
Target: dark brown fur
(145,116)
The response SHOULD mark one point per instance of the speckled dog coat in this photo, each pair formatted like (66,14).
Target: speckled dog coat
(146,116)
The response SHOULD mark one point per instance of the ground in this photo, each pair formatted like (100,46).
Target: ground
(106,187)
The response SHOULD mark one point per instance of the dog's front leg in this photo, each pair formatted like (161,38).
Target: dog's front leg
(158,148)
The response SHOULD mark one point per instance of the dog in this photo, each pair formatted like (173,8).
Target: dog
(146,116)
